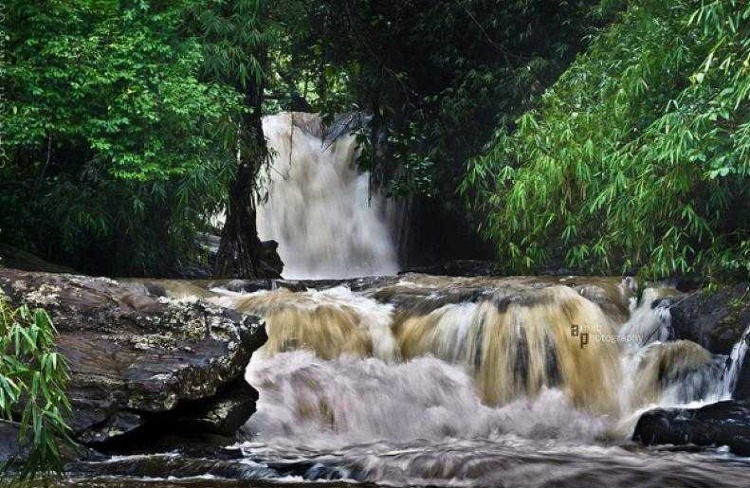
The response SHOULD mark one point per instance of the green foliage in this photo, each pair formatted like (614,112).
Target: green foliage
(232,34)
(33,378)
(438,77)
(637,156)
(113,143)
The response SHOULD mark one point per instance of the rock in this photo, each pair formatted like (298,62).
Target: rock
(133,356)
(463,267)
(715,320)
(223,414)
(271,264)
(724,423)
(170,466)
(250,286)
(13,257)
(9,448)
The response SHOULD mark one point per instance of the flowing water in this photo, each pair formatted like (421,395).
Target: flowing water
(432,381)
(429,381)
(321,210)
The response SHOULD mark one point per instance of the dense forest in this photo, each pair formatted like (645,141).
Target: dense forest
(609,136)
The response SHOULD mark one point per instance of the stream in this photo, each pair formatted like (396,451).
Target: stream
(417,380)
(435,381)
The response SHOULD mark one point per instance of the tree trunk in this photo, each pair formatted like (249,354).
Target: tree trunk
(241,253)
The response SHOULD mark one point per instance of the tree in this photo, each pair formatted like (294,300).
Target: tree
(438,77)
(637,156)
(111,139)
(236,38)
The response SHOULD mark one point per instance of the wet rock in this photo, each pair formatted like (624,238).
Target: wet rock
(464,267)
(713,319)
(223,414)
(9,447)
(12,257)
(251,286)
(724,423)
(133,356)
(17,453)
(271,264)
(174,467)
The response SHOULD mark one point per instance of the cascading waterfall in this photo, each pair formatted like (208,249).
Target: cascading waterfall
(514,344)
(328,221)
(446,346)
(425,380)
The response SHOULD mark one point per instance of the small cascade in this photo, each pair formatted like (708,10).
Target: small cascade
(650,320)
(736,361)
(675,373)
(332,323)
(514,344)
(328,221)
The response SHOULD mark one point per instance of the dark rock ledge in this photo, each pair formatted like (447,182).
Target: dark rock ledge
(140,362)
(714,319)
(724,423)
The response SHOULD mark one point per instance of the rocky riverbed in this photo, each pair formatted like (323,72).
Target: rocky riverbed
(157,375)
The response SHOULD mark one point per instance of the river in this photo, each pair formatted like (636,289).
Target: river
(417,380)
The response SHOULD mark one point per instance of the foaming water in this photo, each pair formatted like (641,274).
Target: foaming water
(517,382)
(321,210)
(307,401)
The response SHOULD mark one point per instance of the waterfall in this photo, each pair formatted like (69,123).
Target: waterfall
(736,360)
(511,343)
(328,221)
(422,380)
(338,362)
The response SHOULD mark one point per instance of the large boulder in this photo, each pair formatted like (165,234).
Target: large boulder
(134,356)
(714,319)
(724,423)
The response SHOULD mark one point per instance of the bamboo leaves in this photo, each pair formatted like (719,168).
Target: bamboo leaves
(33,378)
(639,151)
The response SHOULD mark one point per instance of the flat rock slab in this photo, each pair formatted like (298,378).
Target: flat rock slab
(131,354)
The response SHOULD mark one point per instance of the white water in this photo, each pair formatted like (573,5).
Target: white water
(347,401)
(737,359)
(320,208)
(386,385)
(305,400)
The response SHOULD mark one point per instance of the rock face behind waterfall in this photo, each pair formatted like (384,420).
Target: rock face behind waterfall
(714,320)
(137,359)
(719,424)
(717,320)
